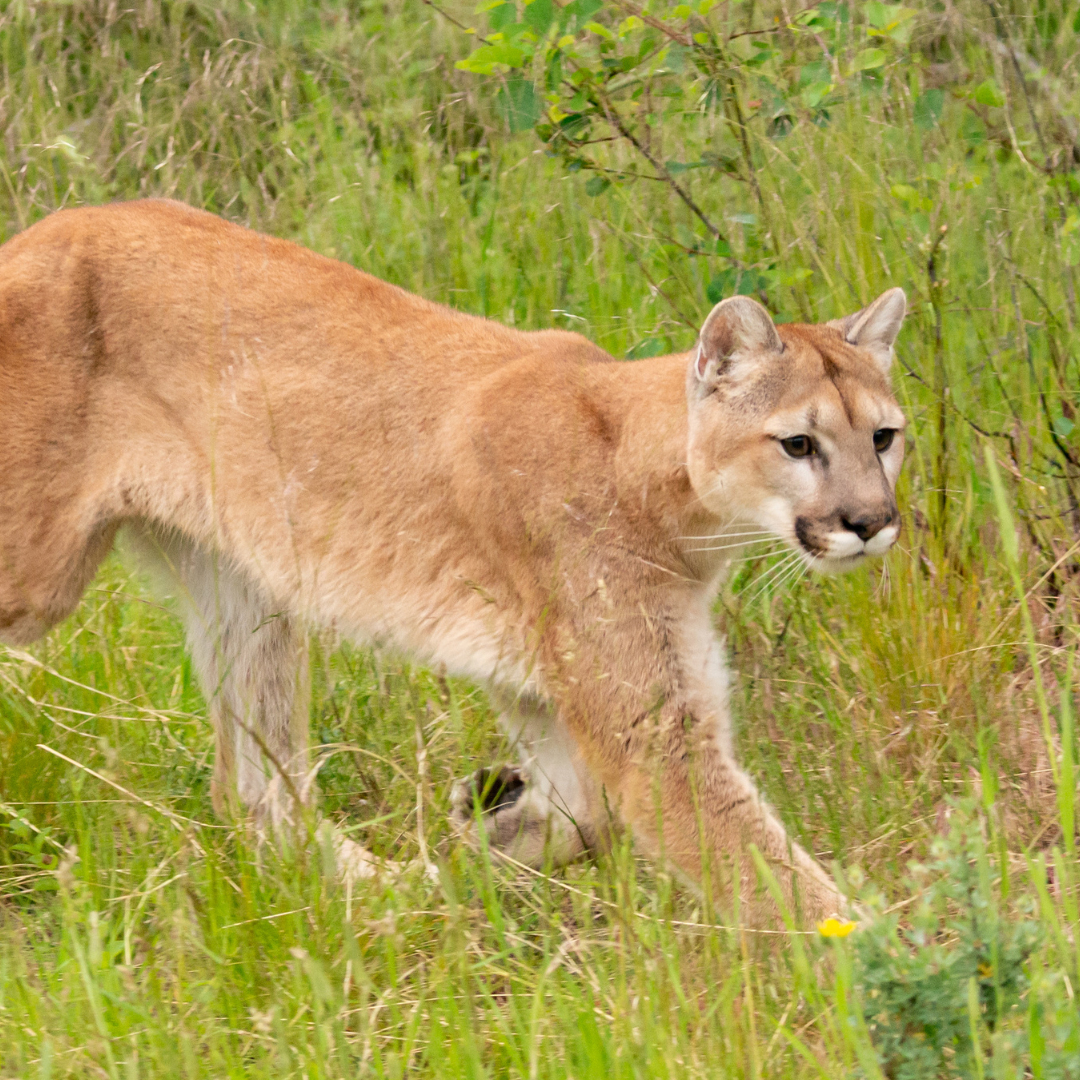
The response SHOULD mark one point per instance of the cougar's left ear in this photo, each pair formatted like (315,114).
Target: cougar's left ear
(876,326)
(736,328)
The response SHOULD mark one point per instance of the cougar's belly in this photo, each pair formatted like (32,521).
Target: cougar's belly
(443,630)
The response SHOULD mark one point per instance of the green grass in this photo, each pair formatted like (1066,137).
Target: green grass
(141,937)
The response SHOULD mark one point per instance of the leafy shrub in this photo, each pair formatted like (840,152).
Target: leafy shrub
(936,984)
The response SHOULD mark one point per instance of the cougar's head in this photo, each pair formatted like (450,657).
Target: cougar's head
(794,429)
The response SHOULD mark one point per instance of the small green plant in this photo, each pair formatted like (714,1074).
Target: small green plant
(942,988)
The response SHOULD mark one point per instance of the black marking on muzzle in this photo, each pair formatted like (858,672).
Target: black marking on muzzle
(805,536)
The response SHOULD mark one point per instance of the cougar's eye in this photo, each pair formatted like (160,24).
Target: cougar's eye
(798,446)
(883,438)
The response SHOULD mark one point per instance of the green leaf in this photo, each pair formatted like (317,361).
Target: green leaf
(920,223)
(813,94)
(905,193)
(869,59)
(723,162)
(813,18)
(780,125)
(476,67)
(583,9)
(597,185)
(539,15)
(878,15)
(796,276)
(720,285)
(928,109)
(761,52)
(513,31)
(675,58)
(501,16)
(574,126)
(675,167)
(487,58)
(988,93)
(972,129)
(1063,426)
(732,282)
(644,349)
(817,72)
(887,17)
(521,104)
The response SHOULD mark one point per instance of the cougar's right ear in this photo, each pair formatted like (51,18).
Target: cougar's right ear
(875,327)
(736,328)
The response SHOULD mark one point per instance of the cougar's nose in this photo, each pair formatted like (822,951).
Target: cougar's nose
(867,526)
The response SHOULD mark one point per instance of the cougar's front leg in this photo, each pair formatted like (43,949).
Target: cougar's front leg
(645,700)
(546,807)
(687,801)
(710,810)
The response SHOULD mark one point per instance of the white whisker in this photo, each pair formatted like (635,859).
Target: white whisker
(790,567)
(796,575)
(773,574)
(755,556)
(727,535)
(739,544)
(884,586)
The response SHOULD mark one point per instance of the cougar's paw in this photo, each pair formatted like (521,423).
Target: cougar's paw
(356,863)
(494,791)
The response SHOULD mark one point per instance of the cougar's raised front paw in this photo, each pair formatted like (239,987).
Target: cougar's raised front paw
(494,791)
(356,863)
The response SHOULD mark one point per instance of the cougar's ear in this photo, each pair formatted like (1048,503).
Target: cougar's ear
(876,326)
(737,327)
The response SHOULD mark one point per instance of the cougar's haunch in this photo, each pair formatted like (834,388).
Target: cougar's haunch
(295,443)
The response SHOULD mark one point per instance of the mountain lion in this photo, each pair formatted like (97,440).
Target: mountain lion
(295,443)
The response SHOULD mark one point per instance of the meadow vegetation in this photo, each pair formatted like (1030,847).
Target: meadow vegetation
(612,168)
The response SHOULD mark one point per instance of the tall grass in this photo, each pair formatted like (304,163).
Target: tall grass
(884,713)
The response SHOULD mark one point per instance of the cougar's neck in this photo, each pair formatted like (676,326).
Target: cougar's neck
(648,398)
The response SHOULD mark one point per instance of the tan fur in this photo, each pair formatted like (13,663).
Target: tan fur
(294,442)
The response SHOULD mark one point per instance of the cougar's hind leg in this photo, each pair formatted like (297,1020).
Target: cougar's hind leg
(251,661)
(546,807)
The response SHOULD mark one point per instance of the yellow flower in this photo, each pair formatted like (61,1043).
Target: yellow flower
(836,927)
(985,970)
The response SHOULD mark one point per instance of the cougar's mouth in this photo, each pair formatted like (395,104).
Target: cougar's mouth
(838,552)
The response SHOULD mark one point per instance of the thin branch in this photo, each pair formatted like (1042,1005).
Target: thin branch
(615,121)
(471,31)
(1006,40)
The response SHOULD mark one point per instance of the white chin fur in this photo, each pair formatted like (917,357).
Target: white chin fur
(827,564)
(878,545)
